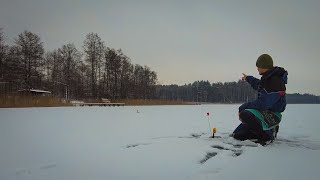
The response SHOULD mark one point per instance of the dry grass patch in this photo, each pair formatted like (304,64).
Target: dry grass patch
(13,101)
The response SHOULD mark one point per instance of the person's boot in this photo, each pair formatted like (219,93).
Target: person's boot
(275,131)
(266,138)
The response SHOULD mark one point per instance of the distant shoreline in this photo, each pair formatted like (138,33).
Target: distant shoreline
(43,101)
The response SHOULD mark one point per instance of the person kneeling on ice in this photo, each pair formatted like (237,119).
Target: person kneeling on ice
(260,119)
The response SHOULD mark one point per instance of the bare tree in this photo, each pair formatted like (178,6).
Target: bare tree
(63,70)
(145,81)
(109,55)
(113,59)
(14,70)
(94,48)
(126,73)
(53,72)
(71,58)
(149,80)
(138,81)
(53,66)
(30,52)
(3,54)
(153,79)
(82,80)
(116,65)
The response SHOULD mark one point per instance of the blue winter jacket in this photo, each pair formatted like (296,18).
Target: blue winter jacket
(271,91)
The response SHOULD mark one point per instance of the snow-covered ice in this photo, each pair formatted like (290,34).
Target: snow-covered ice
(152,142)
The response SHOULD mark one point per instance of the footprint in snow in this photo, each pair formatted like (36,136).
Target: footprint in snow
(298,143)
(193,135)
(135,145)
(235,152)
(208,156)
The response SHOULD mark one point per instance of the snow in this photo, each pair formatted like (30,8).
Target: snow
(152,142)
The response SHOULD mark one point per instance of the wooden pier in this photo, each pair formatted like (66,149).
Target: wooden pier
(99,104)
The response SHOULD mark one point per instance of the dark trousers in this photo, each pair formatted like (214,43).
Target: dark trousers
(251,128)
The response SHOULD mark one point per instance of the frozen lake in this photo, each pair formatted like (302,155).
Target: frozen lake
(152,142)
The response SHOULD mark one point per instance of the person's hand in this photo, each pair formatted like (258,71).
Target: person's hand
(244,77)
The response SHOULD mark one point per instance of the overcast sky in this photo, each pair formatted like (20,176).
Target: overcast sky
(185,40)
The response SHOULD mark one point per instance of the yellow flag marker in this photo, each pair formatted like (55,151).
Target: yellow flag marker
(214,130)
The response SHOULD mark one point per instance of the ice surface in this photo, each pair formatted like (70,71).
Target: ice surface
(159,142)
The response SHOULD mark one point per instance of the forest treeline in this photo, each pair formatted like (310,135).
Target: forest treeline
(204,91)
(228,92)
(96,71)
